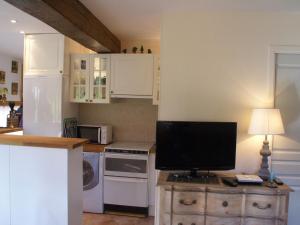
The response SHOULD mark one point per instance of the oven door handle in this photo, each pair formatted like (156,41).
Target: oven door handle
(127,179)
(125,156)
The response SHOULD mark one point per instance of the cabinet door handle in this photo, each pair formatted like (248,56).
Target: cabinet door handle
(225,204)
(86,100)
(183,202)
(193,224)
(180,224)
(256,205)
(111,91)
(91,100)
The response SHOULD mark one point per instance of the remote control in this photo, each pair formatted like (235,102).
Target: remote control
(278,181)
(230,181)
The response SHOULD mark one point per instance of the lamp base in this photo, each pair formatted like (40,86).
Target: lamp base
(265,152)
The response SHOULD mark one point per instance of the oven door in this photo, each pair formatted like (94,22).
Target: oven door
(126,165)
(126,191)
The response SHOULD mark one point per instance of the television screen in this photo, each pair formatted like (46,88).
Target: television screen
(195,145)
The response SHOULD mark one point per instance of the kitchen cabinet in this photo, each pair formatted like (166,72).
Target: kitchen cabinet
(156,83)
(132,75)
(43,54)
(99,78)
(79,80)
(90,78)
(4,185)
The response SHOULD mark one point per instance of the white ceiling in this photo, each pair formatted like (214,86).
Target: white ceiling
(127,19)
(140,19)
(11,41)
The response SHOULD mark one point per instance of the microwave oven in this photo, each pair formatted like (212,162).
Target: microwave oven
(98,134)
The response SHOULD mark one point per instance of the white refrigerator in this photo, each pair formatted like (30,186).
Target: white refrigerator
(46,104)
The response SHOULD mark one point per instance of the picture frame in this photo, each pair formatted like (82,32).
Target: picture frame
(83,64)
(14,88)
(2,77)
(14,66)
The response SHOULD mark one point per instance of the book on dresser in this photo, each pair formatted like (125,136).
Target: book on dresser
(188,203)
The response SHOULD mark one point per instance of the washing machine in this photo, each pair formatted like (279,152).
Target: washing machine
(93,182)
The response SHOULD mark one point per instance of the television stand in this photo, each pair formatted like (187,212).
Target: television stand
(194,177)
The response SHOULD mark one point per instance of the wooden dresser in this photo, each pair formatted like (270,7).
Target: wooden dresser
(218,204)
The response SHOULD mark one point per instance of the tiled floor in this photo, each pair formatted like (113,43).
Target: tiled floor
(105,219)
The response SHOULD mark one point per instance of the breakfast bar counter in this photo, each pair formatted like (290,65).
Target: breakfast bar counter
(41,180)
(41,141)
(5,130)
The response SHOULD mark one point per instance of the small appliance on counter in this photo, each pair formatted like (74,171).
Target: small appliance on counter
(126,176)
(12,117)
(97,134)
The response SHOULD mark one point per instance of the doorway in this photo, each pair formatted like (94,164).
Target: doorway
(286,148)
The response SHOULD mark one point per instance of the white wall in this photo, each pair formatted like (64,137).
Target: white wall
(215,68)
(5,65)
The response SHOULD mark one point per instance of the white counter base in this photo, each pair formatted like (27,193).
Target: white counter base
(40,186)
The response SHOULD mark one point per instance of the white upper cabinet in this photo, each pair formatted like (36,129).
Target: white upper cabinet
(80,78)
(43,54)
(99,78)
(90,78)
(132,75)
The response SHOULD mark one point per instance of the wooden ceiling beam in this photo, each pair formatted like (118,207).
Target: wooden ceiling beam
(73,19)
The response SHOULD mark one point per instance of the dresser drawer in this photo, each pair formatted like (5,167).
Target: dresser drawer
(254,221)
(224,204)
(188,220)
(261,206)
(165,219)
(210,220)
(166,201)
(189,202)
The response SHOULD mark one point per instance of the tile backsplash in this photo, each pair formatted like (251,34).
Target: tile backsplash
(132,119)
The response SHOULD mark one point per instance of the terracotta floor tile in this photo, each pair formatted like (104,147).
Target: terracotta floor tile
(106,219)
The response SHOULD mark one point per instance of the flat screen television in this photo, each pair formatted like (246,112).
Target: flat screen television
(195,145)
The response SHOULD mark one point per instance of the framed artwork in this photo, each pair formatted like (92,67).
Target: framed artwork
(14,66)
(14,88)
(2,77)
(83,64)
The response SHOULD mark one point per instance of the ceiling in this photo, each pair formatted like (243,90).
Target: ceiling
(11,41)
(127,19)
(140,19)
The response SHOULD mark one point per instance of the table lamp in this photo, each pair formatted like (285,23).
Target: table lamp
(265,122)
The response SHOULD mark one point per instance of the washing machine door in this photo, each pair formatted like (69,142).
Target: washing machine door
(90,170)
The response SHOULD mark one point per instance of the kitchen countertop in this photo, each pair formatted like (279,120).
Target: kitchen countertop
(40,141)
(4,130)
(88,147)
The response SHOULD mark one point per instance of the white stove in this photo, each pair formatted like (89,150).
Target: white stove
(126,174)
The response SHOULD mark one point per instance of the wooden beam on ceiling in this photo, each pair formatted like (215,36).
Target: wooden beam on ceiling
(73,19)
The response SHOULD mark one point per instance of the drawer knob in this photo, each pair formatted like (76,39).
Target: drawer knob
(180,224)
(184,202)
(193,224)
(225,204)
(256,205)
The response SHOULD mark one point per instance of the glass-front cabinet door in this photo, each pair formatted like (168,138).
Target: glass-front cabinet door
(99,78)
(79,82)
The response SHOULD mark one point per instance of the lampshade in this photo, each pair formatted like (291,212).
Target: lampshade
(266,121)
